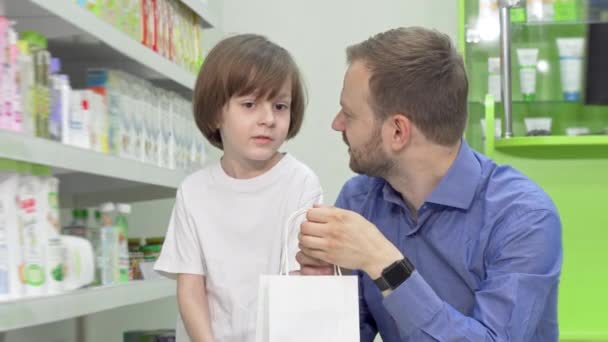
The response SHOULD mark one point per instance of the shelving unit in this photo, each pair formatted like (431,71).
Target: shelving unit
(202,10)
(88,177)
(571,169)
(552,141)
(553,147)
(33,311)
(82,40)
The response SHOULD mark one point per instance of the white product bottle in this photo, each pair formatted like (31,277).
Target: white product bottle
(107,253)
(494,79)
(79,132)
(122,228)
(61,94)
(10,247)
(55,270)
(79,262)
(171,140)
(99,122)
(4,80)
(33,233)
(25,64)
(55,251)
(13,106)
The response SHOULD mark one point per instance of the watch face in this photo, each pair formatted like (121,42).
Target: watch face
(397,273)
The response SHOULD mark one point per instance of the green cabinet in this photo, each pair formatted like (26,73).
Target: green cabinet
(572,169)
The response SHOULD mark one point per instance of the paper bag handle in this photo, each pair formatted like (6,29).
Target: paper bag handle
(284,268)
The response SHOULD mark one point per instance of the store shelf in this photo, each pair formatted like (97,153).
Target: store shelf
(555,147)
(559,23)
(201,8)
(534,103)
(78,36)
(552,141)
(567,336)
(92,176)
(40,310)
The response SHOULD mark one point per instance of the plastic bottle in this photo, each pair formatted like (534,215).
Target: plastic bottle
(122,228)
(25,87)
(13,112)
(38,101)
(55,251)
(4,81)
(107,257)
(59,105)
(93,235)
(42,60)
(33,235)
(80,119)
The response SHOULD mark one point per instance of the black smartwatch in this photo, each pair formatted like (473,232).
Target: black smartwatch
(395,274)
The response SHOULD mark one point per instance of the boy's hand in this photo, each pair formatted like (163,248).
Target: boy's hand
(312,266)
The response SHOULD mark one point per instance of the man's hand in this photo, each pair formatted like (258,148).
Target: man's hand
(345,238)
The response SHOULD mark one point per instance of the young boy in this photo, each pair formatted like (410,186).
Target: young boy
(228,221)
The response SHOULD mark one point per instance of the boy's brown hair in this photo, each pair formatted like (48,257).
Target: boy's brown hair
(243,65)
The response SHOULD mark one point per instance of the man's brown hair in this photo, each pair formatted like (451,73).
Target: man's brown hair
(242,65)
(417,72)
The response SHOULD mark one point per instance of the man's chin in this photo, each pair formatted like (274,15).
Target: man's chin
(354,167)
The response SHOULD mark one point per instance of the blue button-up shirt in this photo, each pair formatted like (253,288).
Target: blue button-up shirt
(486,245)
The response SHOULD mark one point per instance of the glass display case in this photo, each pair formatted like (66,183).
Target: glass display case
(558,63)
(557,67)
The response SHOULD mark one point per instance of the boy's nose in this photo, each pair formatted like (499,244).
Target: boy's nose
(268,117)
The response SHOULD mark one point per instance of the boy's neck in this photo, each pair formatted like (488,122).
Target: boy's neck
(245,169)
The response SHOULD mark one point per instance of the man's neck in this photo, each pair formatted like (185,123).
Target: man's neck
(416,178)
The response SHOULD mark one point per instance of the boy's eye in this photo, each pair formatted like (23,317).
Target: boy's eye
(281,106)
(249,104)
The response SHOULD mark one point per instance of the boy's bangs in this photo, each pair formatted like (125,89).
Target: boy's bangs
(263,77)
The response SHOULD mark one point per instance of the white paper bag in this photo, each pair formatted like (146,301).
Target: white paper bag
(307,308)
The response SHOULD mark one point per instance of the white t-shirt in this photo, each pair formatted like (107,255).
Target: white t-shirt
(231,231)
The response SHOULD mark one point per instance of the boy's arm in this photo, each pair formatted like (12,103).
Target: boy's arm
(194,306)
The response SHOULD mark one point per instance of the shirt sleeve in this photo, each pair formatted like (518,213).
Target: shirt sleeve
(181,251)
(367,324)
(523,266)
(312,194)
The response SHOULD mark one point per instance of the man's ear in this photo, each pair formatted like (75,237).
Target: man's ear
(400,128)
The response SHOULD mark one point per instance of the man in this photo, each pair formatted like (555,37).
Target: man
(447,245)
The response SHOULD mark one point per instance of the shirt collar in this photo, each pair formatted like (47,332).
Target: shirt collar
(456,189)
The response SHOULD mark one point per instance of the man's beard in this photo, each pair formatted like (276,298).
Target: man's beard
(370,159)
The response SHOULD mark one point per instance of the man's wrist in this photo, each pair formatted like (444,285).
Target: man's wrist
(377,265)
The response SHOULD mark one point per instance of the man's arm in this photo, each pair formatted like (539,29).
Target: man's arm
(523,266)
(523,263)
(194,306)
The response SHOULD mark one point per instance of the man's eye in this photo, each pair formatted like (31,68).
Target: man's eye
(249,104)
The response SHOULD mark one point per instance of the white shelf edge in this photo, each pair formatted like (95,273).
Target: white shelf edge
(202,10)
(24,148)
(27,312)
(85,20)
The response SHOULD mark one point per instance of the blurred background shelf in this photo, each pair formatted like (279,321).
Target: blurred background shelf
(83,40)
(33,311)
(555,147)
(89,177)
(201,8)
(552,141)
